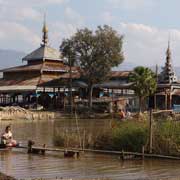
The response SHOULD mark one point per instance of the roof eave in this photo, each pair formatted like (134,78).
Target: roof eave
(41,58)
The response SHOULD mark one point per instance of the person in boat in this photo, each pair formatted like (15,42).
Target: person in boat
(7,137)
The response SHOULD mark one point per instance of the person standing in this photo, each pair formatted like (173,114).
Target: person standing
(121,114)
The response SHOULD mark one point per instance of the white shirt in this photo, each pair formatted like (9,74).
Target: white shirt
(7,135)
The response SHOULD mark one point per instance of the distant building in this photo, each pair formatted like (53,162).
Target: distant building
(168,86)
(45,80)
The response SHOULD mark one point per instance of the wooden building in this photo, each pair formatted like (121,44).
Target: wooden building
(22,84)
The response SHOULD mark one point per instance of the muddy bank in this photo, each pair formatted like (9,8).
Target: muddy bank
(5,177)
(72,179)
(17,113)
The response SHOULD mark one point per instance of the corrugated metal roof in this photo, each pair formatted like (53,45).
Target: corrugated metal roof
(114,85)
(20,82)
(40,67)
(43,52)
(56,68)
(119,74)
(62,80)
(36,67)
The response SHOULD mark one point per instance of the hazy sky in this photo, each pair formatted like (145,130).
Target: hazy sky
(146,24)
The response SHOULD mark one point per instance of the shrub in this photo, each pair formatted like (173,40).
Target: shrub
(167,137)
(130,136)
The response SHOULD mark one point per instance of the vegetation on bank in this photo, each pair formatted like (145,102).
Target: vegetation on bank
(166,139)
(130,135)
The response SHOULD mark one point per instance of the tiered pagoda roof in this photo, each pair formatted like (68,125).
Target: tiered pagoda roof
(168,76)
(44,52)
(43,64)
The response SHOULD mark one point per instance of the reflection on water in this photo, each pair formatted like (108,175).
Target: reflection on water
(22,165)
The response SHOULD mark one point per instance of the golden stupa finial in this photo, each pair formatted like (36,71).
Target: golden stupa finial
(45,32)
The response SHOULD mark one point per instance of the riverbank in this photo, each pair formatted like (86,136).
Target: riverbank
(18,113)
(5,177)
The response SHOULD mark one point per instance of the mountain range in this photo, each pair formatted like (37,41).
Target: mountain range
(10,58)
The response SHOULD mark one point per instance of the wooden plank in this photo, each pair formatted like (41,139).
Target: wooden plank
(47,149)
(76,150)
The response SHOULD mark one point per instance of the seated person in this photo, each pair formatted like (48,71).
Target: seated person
(7,138)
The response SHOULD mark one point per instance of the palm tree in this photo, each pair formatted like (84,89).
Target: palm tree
(143,83)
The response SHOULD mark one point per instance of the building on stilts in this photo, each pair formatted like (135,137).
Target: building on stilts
(21,85)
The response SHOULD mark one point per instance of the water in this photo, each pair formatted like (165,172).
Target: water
(21,165)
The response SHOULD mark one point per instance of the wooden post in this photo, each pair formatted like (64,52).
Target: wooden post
(170,100)
(142,152)
(64,103)
(150,131)
(155,102)
(30,143)
(122,157)
(84,139)
(70,85)
(166,101)
(43,149)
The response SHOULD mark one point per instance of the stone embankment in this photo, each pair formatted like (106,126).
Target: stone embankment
(18,113)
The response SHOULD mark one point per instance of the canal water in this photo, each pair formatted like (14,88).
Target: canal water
(21,165)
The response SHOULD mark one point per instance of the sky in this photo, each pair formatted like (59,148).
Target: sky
(146,25)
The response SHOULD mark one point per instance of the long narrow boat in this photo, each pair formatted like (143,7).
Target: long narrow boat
(6,147)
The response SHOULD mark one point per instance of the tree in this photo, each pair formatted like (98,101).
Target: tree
(95,53)
(69,54)
(143,83)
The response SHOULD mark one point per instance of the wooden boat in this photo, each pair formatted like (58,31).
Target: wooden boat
(7,147)
(3,146)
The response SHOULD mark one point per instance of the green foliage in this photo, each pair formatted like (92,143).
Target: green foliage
(130,136)
(167,137)
(95,53)
(127,136)
(143,82)
(104,141)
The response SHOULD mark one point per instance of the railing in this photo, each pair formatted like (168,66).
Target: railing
(176,108)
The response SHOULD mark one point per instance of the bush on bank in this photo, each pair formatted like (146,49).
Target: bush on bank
(127,136)
(130,135)
(166,137)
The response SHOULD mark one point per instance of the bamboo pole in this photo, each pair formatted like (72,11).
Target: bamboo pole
(78,131)
(150,131)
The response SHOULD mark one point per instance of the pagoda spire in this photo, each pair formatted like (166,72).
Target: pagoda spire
(168,75)
(168,58)
(45,32)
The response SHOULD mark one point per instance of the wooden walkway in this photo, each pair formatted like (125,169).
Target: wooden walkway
(70,152)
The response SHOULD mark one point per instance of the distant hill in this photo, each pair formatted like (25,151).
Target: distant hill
(9,58)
